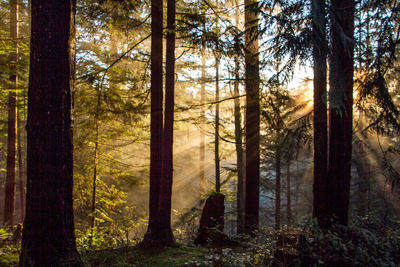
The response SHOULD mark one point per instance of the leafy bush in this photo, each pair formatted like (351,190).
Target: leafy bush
(9,248)
(4,234)
(346,246)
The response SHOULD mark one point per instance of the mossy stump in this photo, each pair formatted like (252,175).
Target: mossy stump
(212,218)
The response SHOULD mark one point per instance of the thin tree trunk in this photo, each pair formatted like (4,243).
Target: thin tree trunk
(340,108)
(96,152)
(320,47)
(368,42)
(362,165)
(9,204)
(202,180)
(239,154)
(48,237)
(20,169)
(238,135)
(216,137)
(288,194)
(296,193)
(252,84)
(156,122)
(278,189)
(166,237)
(92,217)
(94,188)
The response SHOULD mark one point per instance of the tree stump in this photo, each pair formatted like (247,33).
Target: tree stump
(212,219)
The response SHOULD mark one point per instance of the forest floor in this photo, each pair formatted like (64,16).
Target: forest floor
(362,245)
(131,256)
(180,255)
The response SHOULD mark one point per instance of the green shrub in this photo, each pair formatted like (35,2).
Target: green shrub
(348,246)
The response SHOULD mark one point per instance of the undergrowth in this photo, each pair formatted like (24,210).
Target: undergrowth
(365,243)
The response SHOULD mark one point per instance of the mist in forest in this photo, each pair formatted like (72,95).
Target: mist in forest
(264,89)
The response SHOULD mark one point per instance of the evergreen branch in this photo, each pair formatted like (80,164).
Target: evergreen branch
(115,61)
(209,103)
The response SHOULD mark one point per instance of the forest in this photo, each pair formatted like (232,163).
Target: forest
(199,133)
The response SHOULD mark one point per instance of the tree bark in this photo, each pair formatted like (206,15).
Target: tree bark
(92,217)
(297,192)
(48,237)
(320,47)
(288,194)
(9,204)
(202,178)
(340,108)
(151,237)
(278,189)
(166,235)
(216,136)
(20,169)
(239,154)
(252,84)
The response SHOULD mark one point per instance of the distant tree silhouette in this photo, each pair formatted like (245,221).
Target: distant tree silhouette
(9,203)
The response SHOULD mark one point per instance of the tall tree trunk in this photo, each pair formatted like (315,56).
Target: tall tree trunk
(288,194)
(92,217)
(216,136)
(20,168)
(297,192)
(278,189)
(12,119)
(362,166)
(96,152)
(202,178)
(156,121)
(239,154)
(340,108)
(320,47)
(238,135)
(166,236)
(252,84)
(48,237)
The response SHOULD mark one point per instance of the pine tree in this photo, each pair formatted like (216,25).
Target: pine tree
(9,202)
(320,186)
(156,123)
(48,237)
(159,231)
(238,132)
(340,108)
(168,134)
(252,84)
